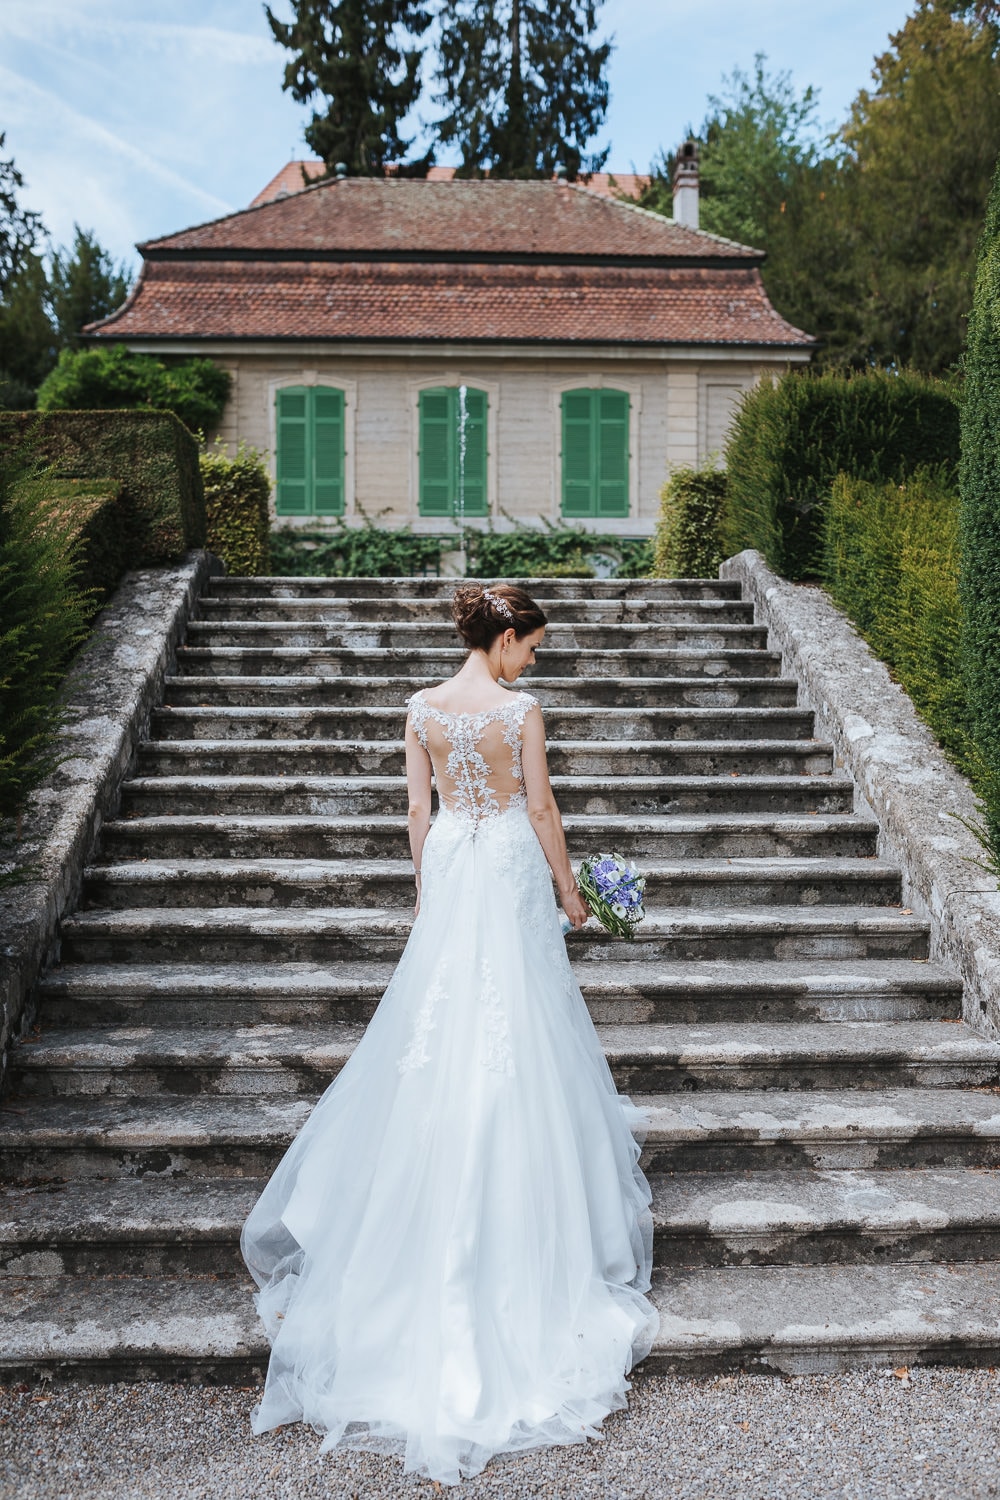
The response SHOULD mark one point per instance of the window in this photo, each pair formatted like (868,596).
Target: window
(453,451)
(595,453)
(310,458)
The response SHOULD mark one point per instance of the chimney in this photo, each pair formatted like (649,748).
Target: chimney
(686,185)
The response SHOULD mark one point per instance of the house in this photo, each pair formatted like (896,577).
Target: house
(423,350)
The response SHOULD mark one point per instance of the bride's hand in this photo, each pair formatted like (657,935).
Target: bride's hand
(574,906)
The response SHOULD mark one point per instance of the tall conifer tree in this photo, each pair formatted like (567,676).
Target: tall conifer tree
(524,85)
(357,55)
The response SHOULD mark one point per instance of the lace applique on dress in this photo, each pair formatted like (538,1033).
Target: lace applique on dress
(417,1054)
(497,1052)
(467,782)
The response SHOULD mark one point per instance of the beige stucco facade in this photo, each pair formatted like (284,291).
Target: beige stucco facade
(680,407)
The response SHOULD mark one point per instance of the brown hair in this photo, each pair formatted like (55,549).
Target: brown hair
(480,621)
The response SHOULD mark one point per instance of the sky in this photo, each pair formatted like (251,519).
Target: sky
(136,118)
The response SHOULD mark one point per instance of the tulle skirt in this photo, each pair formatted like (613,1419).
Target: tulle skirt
(453,1254)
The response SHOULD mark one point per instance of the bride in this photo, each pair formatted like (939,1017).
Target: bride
(453,1253)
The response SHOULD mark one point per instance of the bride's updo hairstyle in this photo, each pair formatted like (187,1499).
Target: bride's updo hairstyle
(481,614)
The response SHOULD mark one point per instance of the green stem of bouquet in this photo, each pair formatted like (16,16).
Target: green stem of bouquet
(609,920)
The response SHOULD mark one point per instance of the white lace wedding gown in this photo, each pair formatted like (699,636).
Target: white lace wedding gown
(453,1253)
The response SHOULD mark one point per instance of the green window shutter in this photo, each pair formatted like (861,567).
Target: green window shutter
(328,451)
(578,453)
(471,465)
(437,451)
(612,445)
(292,497)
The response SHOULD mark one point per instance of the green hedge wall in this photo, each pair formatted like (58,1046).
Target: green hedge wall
(237,520)
(791,439)
(150,454)
(44,615)
(87,512)
(689,532)
(979,577)
(890,561)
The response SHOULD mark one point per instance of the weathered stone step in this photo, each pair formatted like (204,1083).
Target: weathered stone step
(388,590)
(394,635)
(173,1137)
(625,610)
(270,1060)
(279,884)
(636,725)
(790,1320)
(566,758)
(712,836)
(325,796)
(335,661)
(148,1227)
(309,691)
(234,934)
(622,993)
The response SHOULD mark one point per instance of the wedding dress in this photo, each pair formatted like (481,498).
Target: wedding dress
(452,1255)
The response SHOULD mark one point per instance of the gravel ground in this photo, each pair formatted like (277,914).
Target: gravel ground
(869,1436)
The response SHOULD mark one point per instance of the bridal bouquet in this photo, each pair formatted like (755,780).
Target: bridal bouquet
(612,887)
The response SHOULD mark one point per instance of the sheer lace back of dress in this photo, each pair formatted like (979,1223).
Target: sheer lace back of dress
(476,758)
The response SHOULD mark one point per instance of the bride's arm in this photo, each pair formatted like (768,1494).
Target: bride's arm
(418,788)
(544,815)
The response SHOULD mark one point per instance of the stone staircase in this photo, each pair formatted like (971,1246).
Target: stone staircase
(825,1130)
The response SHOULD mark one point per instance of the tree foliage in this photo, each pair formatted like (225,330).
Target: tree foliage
(21,229)
(870,232)
(354,55)
(523,85)
(85,285)
(112,377)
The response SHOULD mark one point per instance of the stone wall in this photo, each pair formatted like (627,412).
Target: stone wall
(916,794)
(110,692)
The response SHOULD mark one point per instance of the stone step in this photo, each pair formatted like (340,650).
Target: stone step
(272,1060)
(326,934)
(635,726)
(177,1137)
(640,796)
(359,637)
(337,661)
(623,993)
(626,610)
(565,758)
(391,590)
(294,883)
(712,836)
(149,1227)
(310,691)
(788,1320)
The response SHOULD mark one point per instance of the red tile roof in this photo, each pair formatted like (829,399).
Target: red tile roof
(395,217)
(295,175)
(190,298)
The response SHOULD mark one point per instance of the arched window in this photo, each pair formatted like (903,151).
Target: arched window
(310,451)
(453,451)
(595,453)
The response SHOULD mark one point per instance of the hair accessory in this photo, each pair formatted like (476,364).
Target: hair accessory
(499,604)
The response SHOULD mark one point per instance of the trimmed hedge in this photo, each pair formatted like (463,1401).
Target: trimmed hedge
(979,575)
(689,532)
(150,454)
(87,514)
(791,439)
(44,616)
(237,519)
(890,561)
